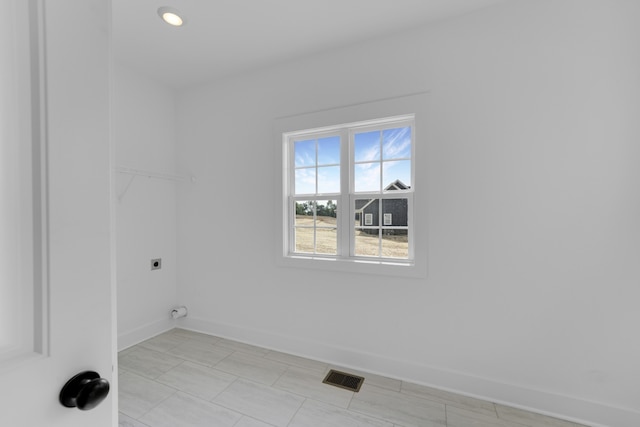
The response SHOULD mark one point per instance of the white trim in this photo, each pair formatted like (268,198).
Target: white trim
(41,121)
(144,332)
(29,340)
(356,265)
(595,414)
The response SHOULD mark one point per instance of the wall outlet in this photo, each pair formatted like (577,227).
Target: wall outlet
(156,264)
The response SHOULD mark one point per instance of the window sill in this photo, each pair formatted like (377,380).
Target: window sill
(398,268)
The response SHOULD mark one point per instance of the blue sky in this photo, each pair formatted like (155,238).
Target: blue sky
(374,153)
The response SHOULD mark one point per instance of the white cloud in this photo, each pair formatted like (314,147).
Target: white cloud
(393,148)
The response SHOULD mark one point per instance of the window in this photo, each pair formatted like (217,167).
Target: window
(368,219)
(345,184)
(349,190)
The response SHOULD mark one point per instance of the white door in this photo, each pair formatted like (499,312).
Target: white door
(55,229)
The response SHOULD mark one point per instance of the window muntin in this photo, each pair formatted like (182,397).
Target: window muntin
(352,166)
(381,157)
(317,165)
(315,227)
(376,234)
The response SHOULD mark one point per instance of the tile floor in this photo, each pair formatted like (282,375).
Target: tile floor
(186,379)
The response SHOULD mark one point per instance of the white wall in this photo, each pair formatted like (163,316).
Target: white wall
(533,218)
(144,138)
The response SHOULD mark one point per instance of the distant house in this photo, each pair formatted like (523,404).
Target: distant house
(394,211)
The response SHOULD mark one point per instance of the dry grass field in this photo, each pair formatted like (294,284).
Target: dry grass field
(393,246)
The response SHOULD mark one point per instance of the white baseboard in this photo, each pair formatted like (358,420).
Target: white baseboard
(594,414)
(137,335)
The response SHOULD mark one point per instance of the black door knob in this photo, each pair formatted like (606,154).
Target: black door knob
(84,391)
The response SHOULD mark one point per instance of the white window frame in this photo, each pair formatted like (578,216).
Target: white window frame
(339,120)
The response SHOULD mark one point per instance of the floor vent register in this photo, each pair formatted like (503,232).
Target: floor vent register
(344,380)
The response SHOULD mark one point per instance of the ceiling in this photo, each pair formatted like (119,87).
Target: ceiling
(223,37)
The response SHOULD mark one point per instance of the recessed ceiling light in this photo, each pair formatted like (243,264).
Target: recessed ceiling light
(171,16)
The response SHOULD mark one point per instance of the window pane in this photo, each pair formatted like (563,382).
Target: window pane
(395,244)
(396,143)
(366,212)
(327,241)
(305,153)
(367,243)
(324,222)
(367,146)
(329,151)
(326,211)
(305,181)
(397,211)
(329,179)
(327,233)
(396,175)
(304,239)
(304,214)
(367,177)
